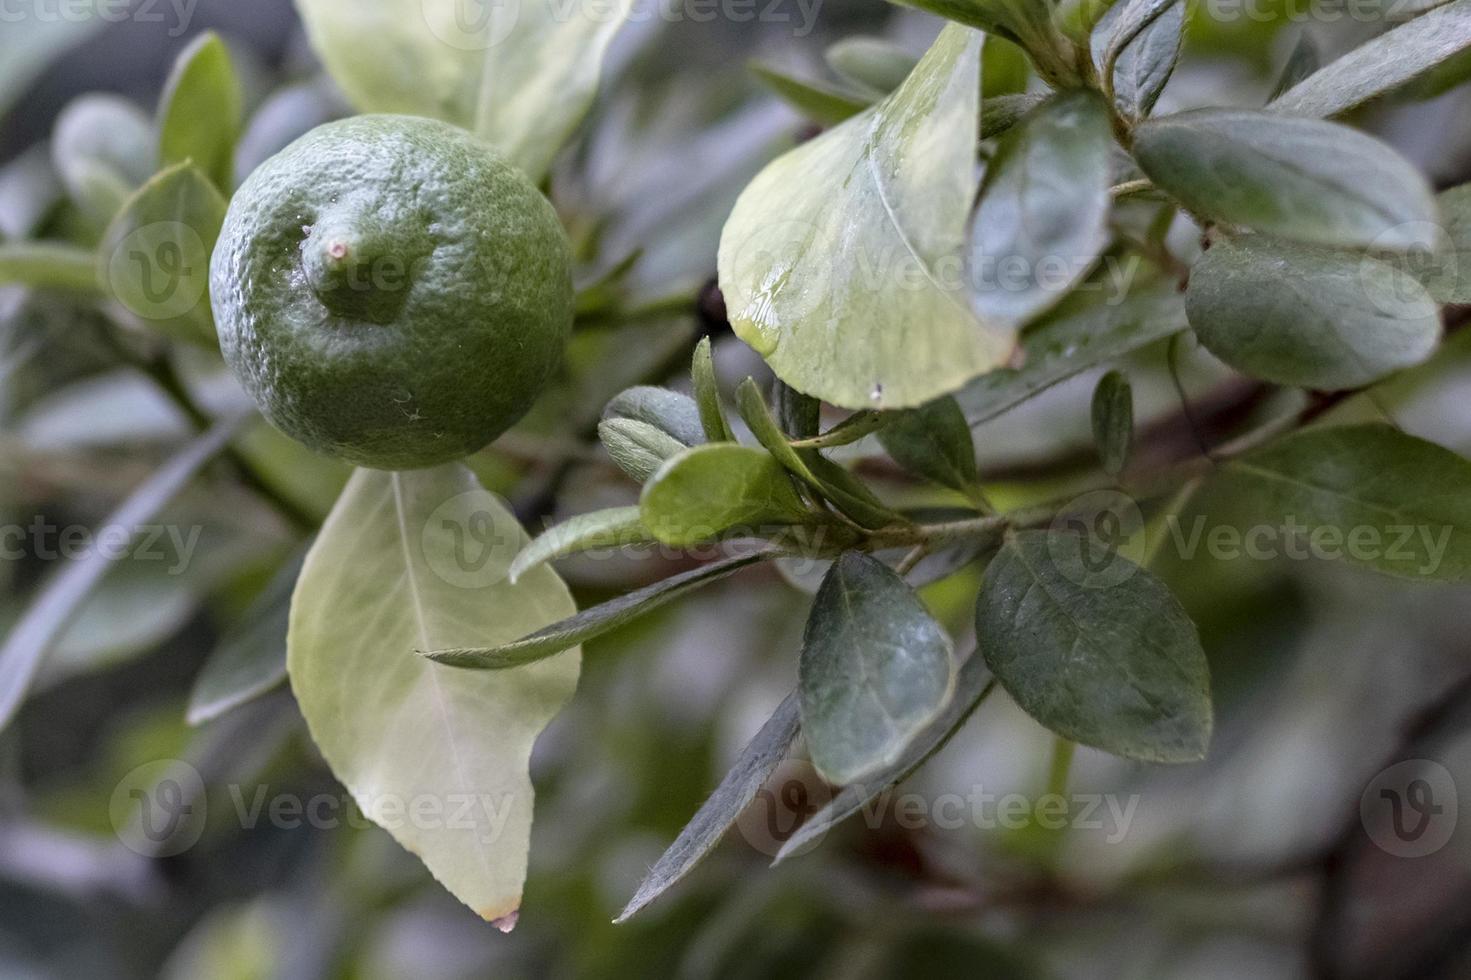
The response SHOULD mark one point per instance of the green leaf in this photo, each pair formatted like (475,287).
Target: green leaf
(414,561)
(591,622)
(1113,421)
(63,593)
(103,148)
(677,415)
(1100,653)
(1447,275)
(876,669)
(1002,112)
(707,394)
(798,415)
(610,528)
(755,765)
(1301,179)
(1382,65)
(860,230)
(48,265)
(637,447)
(1311,317)
(1028,23)
(154,257)
(1368,494)
(250,659)
(1074,340)
(709,490)
(973,682)
(1144,64)
(1128,25)
(818,101)
(872,62)
(831,481)
(933,442)
(848,431)
(521,75)
(200,111)
(1042,219)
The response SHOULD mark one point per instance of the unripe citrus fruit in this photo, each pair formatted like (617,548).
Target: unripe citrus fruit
(390,290)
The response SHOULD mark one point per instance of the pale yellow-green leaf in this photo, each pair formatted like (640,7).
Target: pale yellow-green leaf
(417,561)
(521,73)
(842,261)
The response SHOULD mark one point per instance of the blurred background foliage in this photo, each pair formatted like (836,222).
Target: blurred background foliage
(1251,864)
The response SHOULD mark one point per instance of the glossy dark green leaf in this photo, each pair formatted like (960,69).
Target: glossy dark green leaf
(933,442)
(710,490)
(1306,316)
(757,761)
(835,484)
(250,659)
(875,671)
(1144,64)
(1097,650)
(1382,65)
(1113,421)
(154,256)
(973,683)
(594,621)
(62,594)
(707,394)
(1073,340)
(609,528)
(1366,494)
(878,65)
(638,448)
(200,111)
(1042,218)
(676,414)
(1300,179)
(817,100)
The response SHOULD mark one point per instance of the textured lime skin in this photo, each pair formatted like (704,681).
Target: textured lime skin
(391,291)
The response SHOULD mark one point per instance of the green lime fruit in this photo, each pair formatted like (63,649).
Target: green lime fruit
(391,291)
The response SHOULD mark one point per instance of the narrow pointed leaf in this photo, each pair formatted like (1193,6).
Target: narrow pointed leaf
(757,761)
(591,622)
(48,265)
(832,482)
(411,561)
(1113,421)
(707,394)
(610,528)
(876,669)
(1098,651)
(250,660)
(61,595)
(819,101)
(1312,317)
(815,248)
(1074,340)
(1382,65)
